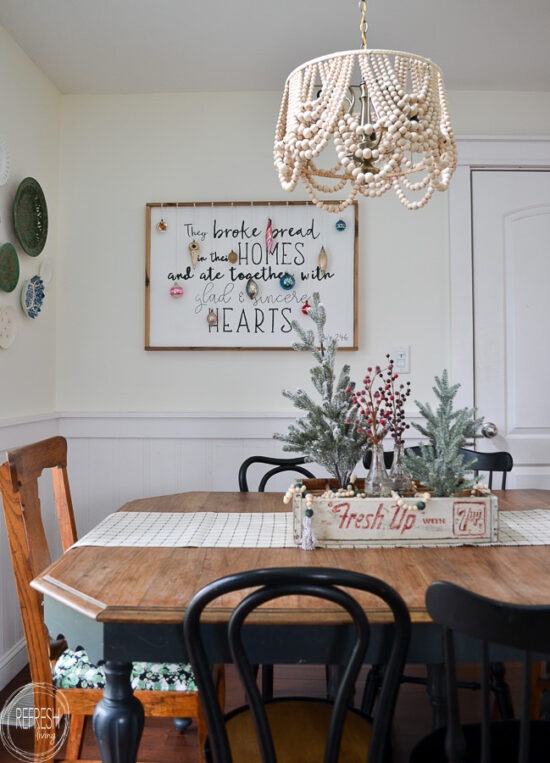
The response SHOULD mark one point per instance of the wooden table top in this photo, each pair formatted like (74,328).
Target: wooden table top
(154,585)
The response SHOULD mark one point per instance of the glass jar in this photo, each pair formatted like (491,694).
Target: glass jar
(377,481)
(399,476)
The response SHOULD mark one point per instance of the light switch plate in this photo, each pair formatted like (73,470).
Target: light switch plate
(401,355)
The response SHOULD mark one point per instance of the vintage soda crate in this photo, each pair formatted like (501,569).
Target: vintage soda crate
(351,521)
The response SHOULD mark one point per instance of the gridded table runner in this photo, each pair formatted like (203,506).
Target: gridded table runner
(264,530)
(201,528)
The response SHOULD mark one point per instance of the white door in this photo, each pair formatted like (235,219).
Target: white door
(511,280)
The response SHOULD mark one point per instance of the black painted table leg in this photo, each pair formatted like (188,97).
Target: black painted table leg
(118,717)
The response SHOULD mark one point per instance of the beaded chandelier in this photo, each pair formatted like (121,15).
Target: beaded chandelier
(391,130)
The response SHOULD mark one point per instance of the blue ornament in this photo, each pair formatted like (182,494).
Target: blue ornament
(341,225)
(287,281)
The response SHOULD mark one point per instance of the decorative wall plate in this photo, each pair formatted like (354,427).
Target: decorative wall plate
(9,267)
(30,216)
(8,326)
(32,296)
(4,161)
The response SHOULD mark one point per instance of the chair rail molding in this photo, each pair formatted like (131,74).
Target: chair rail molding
(477,152)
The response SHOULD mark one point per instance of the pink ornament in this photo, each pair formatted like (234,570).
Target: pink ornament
(176,290)
(269,236)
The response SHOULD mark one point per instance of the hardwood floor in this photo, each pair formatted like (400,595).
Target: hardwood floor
(162,741)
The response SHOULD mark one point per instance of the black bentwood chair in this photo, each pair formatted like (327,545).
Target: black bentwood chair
(490,622)
(279,465)
(298,729)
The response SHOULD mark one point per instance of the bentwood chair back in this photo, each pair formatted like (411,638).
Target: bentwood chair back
(19,486)
(490,623)
(296,728)
(278,465)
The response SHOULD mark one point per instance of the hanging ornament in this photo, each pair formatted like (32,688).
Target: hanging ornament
(322,260)
(269,236)
(341,225)
(162,225)
(306,307)
(233,257)
(251,288)
(212,318)
(287,281)
(176,290)
(194,249)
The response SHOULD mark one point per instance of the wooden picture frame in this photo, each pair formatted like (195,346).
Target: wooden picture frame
(235,275)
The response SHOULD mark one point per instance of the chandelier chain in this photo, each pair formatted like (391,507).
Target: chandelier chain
(363,26)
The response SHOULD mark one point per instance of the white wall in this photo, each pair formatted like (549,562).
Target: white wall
(29,122)
(119,153)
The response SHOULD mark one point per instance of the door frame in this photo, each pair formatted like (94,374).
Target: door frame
(476,152)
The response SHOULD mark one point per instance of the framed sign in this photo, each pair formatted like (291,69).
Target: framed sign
(234,276)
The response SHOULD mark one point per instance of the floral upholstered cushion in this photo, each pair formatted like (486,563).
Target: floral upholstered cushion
(73,670)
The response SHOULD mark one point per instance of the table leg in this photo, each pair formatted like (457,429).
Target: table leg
(118,717)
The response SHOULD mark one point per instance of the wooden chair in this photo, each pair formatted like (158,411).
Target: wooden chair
(297,728)
(279,465)
(490,622)
(30,556)
(497,461)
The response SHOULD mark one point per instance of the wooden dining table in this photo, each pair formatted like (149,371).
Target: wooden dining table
(128,603)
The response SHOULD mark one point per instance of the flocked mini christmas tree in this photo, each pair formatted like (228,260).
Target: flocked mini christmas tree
(439,466)
(327,433)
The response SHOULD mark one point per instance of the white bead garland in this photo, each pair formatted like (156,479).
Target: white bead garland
(419,504)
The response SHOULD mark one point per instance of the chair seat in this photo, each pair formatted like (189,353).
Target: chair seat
(299,728)
(74,670)
(504,743)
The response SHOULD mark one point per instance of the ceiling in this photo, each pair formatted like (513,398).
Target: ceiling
(162,46)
